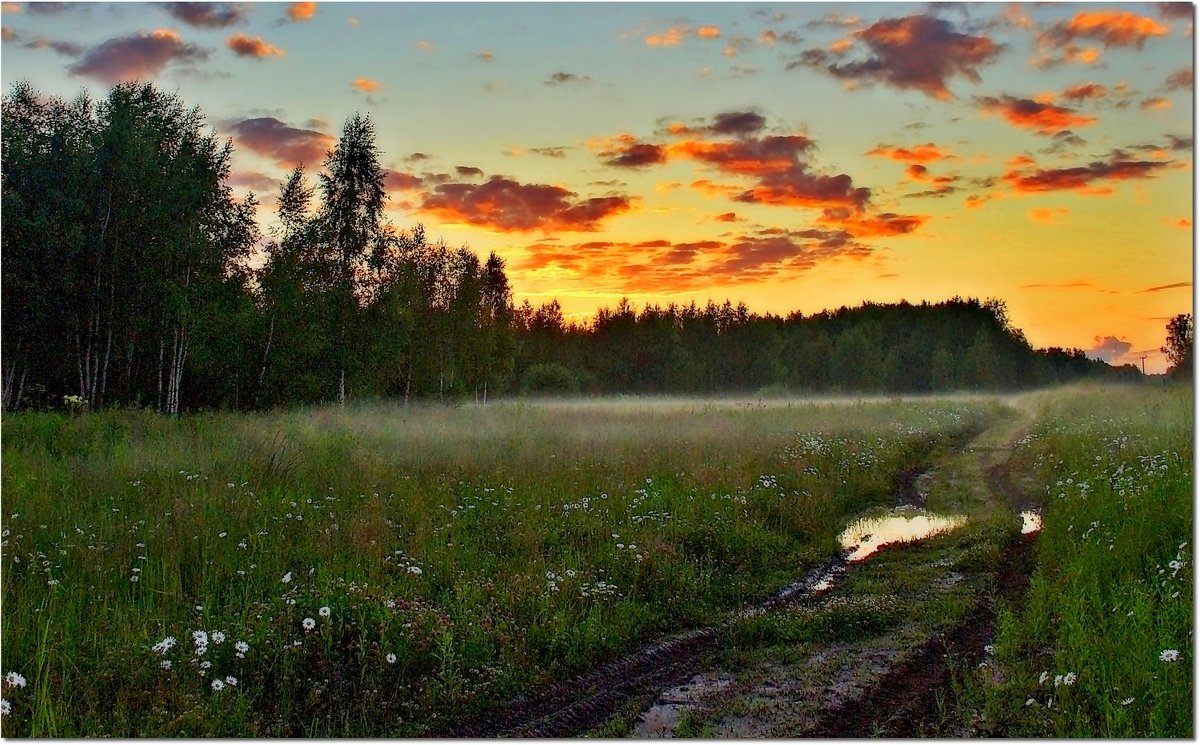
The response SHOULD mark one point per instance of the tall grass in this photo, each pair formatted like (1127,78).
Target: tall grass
(1104,646)
(462,555)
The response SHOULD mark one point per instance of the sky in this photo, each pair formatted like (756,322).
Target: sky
(794,156)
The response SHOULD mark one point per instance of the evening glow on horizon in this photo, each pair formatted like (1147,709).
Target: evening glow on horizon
(792,156)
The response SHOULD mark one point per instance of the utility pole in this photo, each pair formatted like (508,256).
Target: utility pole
(1143,365)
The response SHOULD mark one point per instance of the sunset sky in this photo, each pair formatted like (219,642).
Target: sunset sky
(794,156)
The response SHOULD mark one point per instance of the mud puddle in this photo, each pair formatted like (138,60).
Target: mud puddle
(860,540)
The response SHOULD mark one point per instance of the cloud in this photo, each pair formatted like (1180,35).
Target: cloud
(1176,11)
(137,56)
(550,152)
(747,156)
(11,7)
(1182,79)
(286,145)
(1112,28)
(424,45)
(1083,178)
(65,48)
(1079,283)
(300,12)
(675,35)
(253,180)
(1048,215)
(726,217)
(926,153)
(917,52)
(469,171)
(484,55)
(625,151)
(206,15)
(1109,349)
(245,46)
(366,85)
(1045,118)
(664,265)
(1155,104)
(737,123)
(506,205)
(1160,288)
(7,33)
(1085,91)
(400,181)
(560,78)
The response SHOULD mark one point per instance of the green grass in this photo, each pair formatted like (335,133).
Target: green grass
(487,549)
(1113,586)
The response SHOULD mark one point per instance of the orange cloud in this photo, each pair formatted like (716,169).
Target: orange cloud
(286,145)
(1085,91)
(625,151)
(708,32)
(917,52)
(672,37)
(1155,104)
(301,11)
(508,206)
(137,56)
(245,46)
(1110,27)
(366,85)
(1082,179)
(1047,215)
(927,153)
(1045,118)
(773,154)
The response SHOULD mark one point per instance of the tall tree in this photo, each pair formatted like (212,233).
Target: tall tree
(353,228)
(1180,340)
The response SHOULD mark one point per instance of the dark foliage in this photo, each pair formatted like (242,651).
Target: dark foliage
(127,283)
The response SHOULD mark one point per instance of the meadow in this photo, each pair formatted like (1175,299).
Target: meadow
(382,570)
(1104,644)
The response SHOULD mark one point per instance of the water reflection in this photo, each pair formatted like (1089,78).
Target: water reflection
(1031,522)
(864,537)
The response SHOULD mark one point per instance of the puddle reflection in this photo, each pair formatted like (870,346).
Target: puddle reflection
(1031,522)
(864,537)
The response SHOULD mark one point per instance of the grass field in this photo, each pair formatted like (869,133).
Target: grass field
(384,571)
(1104,646)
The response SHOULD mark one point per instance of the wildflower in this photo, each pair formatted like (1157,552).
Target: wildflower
(1058,679)
(5,708)
(308,624)
(1069,679)
(164,645)
(165,664)
(989,649)
(391,658)
(217,637)
(231,680)
(241,647)
(1042,677)
(1127,701)
(200,639)
(217,684)
(324,611)
(414,570)
(1167,655)
(286,578)
(15,679)
(1030,702)
(205,665)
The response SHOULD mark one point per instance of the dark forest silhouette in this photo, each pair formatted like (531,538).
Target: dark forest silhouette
(127,281)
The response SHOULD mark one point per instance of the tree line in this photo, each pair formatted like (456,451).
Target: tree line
(133,276)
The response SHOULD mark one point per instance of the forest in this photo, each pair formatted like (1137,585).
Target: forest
(133,276)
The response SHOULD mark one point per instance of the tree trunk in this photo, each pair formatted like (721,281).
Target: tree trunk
(342,389)
(262,375)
